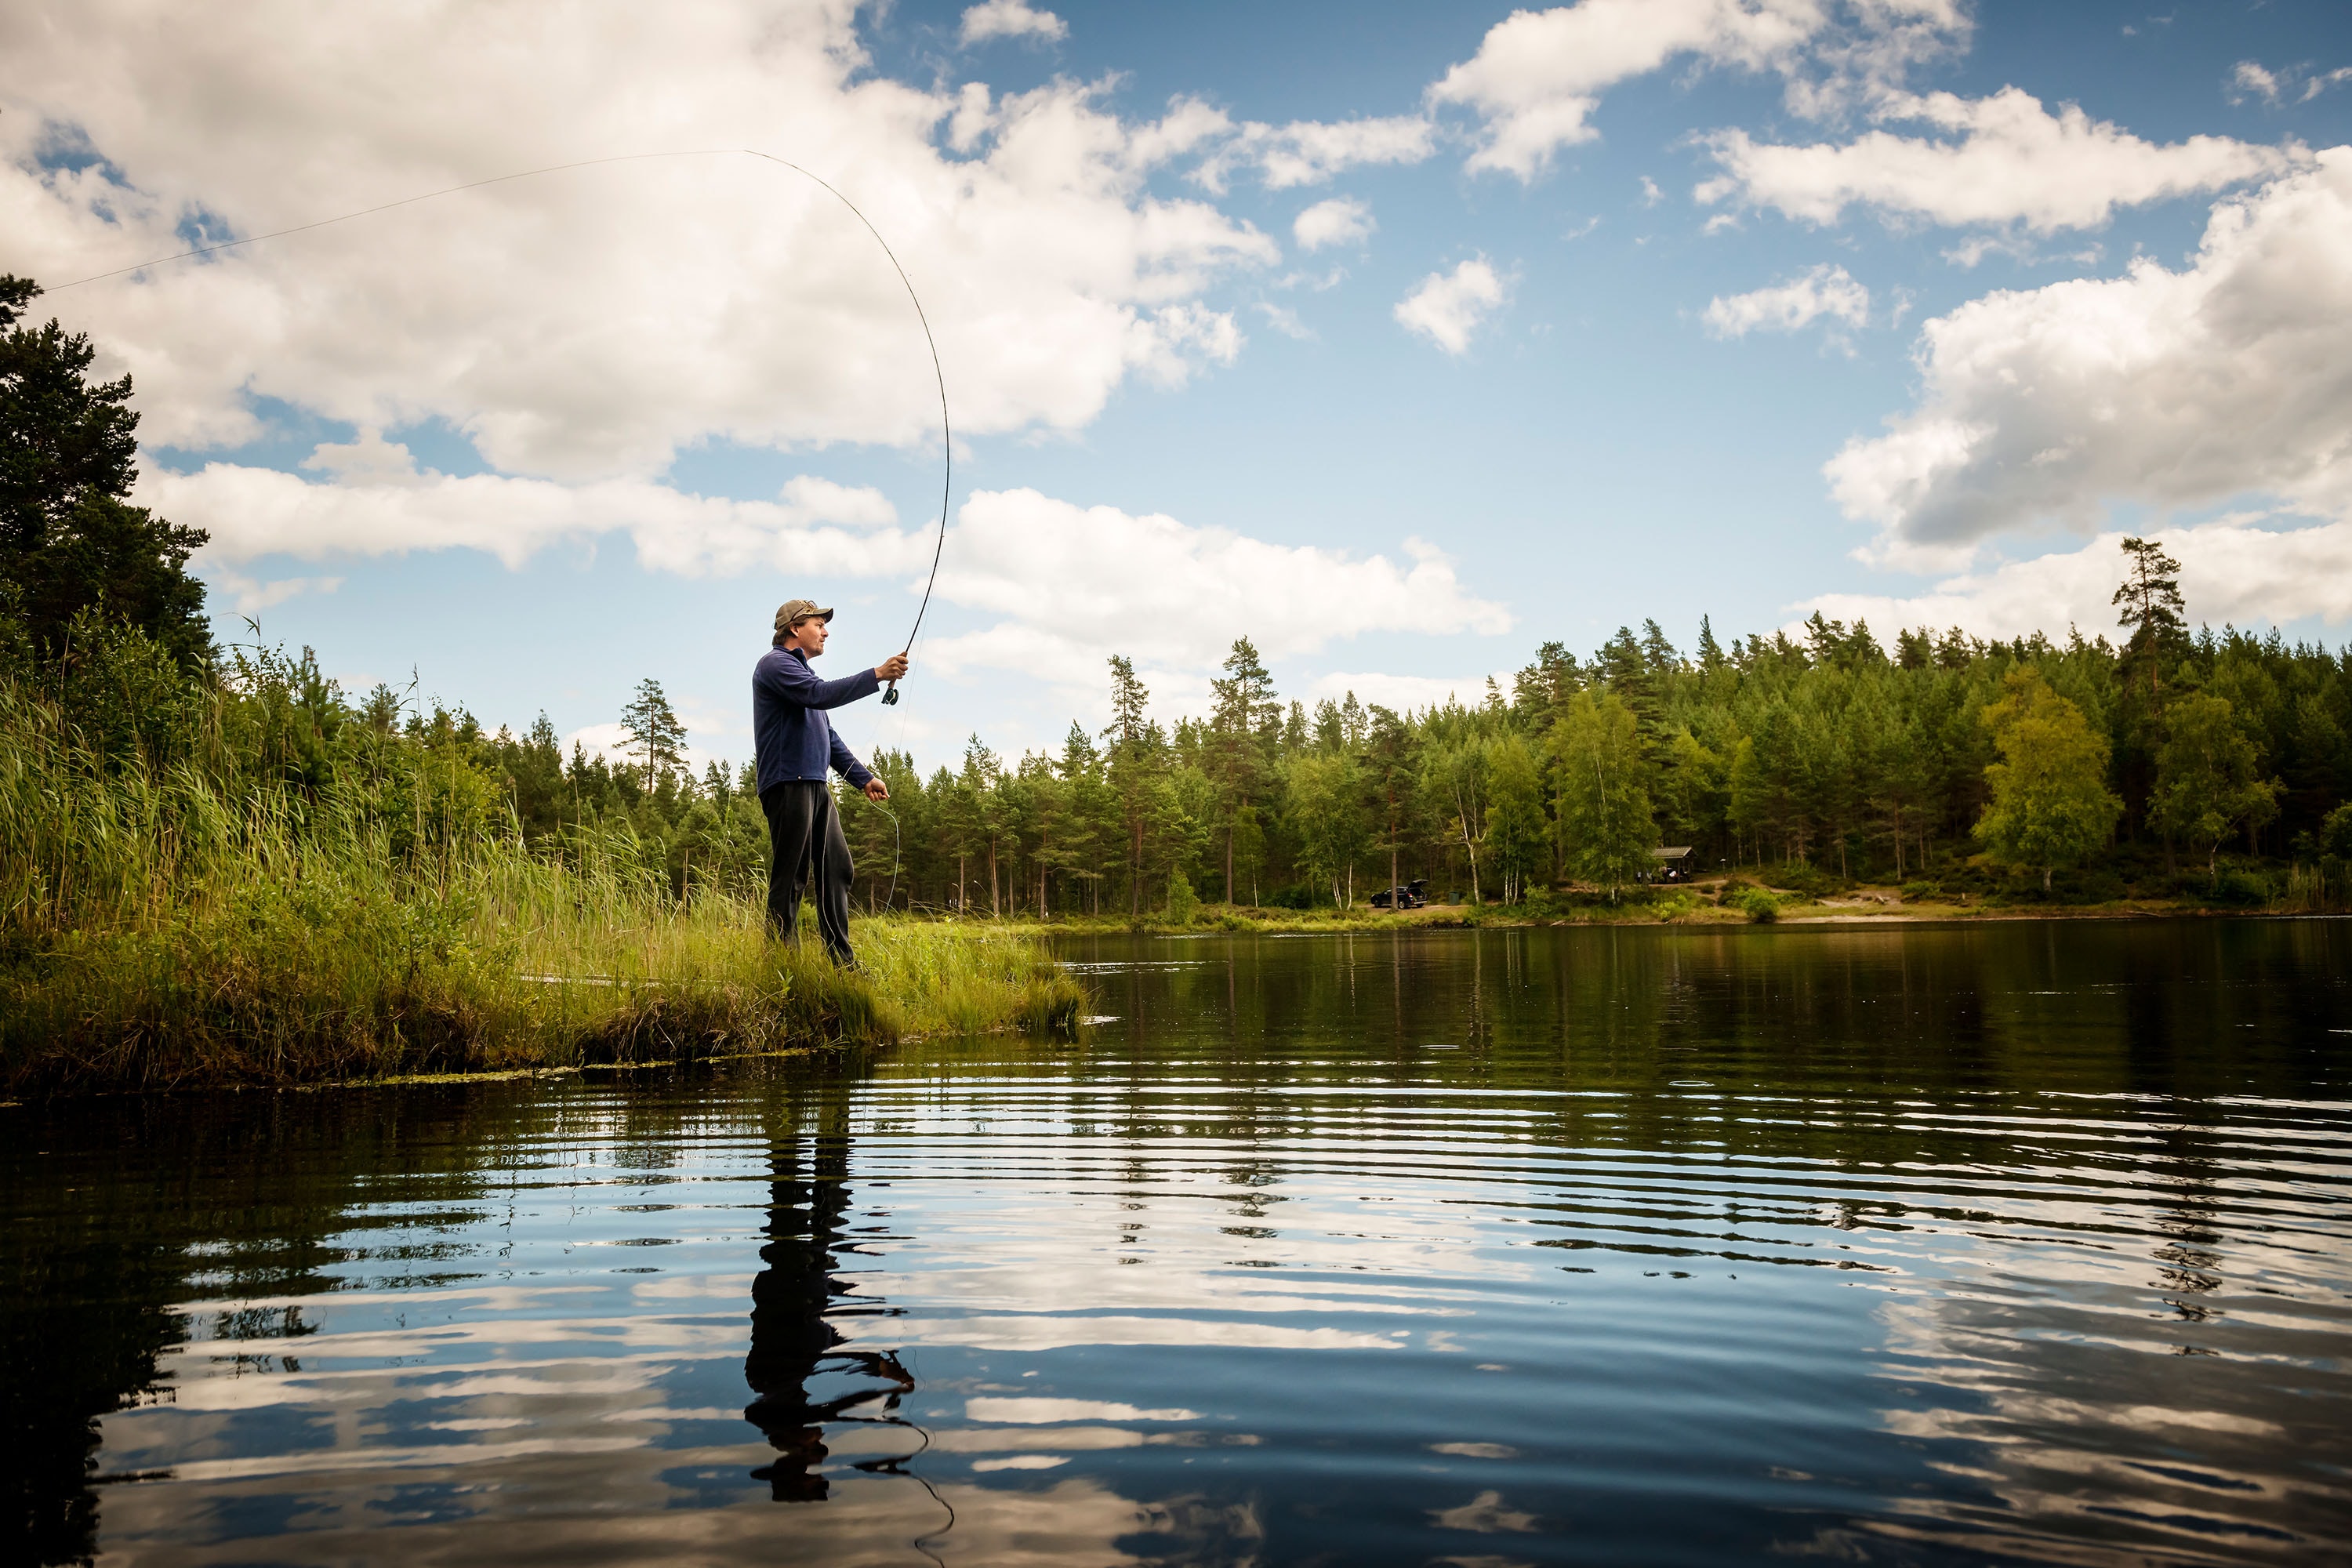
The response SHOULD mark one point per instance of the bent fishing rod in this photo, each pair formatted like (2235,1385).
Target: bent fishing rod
(946,433)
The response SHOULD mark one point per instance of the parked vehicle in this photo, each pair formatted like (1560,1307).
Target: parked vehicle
(1414,895)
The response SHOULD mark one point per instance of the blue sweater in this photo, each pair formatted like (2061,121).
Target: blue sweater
(789,728)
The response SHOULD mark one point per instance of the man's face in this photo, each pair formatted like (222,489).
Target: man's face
(809,635)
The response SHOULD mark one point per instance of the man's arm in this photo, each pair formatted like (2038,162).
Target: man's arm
(794,682)
(845,763)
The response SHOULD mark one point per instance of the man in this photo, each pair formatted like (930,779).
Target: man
(796,742)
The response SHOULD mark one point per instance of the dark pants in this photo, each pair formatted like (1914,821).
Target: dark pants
(805,830)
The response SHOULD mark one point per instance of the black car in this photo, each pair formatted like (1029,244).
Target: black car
(1414,895)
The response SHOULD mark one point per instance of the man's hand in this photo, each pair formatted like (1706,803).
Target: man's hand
(876,790)
(892,669)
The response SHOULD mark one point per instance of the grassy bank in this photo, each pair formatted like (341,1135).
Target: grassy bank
(212,915)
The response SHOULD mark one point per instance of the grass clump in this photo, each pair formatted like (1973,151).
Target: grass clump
(217,907)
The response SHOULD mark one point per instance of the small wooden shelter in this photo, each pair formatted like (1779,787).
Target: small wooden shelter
(1674,864)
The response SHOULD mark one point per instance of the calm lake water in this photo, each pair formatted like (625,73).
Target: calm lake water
(2006,1243)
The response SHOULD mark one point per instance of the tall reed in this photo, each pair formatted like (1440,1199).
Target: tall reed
(203,913)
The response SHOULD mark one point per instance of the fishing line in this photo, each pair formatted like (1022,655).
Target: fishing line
(939,372)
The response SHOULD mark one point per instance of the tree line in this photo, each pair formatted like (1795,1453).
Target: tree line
(2167,760)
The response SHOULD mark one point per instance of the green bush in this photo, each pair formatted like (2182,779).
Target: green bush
(2235,888)
(1810,880)
(1183,903)
(1757,904)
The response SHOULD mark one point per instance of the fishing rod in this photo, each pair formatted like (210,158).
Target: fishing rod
(938,372)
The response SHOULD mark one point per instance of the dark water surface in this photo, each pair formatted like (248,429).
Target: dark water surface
(2024,1242)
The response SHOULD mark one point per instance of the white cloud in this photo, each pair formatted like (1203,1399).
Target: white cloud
(1448,305)
(588,324)
(1789,307)
(1403,694)
(2249,76)
(1538,75)
(1309,152)
(1011,19)
(1285,320)
(1342,220)
(250,596)
(2275,86)
(815,527)
(2230,377)
(2231,571)
(1076,585)
(1999,160)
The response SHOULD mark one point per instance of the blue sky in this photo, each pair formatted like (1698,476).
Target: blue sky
(1622,395)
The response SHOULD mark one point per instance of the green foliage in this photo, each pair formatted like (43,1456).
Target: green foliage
(2208,780)
(1606,828)
(1183,904)
(2336,835)
(1327,795)
(2050,806)
(71,544)
(1755,904)
(1517,833)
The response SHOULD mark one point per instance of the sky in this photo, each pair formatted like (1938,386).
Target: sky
(1400,340)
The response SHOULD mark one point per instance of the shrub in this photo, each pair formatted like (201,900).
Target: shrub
(1757,904)
(1182,902)
(1810,880)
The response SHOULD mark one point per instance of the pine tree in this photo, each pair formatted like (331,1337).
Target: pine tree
(654,731)
(1129,734)
(1246,710)
(2151,604)
(70,542)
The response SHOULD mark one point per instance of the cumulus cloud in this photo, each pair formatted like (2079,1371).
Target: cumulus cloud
(1826,291)
(1538,75)
(1011,19)
(1448,305)
(2232,571)
(2003,160)
(2231,376)
(1342,220)
(389,506)
(1076,585)
(587,323)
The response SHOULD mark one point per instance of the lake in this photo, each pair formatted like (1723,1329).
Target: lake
(2008,1242)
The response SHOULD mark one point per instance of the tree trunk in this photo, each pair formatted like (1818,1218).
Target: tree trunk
(1229,865)
(995,905)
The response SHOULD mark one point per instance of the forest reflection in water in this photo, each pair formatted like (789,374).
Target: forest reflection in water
(1904,1246)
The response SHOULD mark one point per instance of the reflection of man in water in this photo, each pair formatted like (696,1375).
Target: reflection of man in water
(792,1339)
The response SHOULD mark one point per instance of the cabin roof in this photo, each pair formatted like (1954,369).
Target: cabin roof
(1671,852)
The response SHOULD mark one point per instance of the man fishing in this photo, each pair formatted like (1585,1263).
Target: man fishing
(795,743)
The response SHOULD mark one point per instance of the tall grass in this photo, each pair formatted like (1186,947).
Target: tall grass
(203,913)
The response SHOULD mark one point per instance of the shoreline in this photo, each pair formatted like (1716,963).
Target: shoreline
(1216,921)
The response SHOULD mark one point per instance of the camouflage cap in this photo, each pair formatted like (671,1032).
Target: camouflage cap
(792,612)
